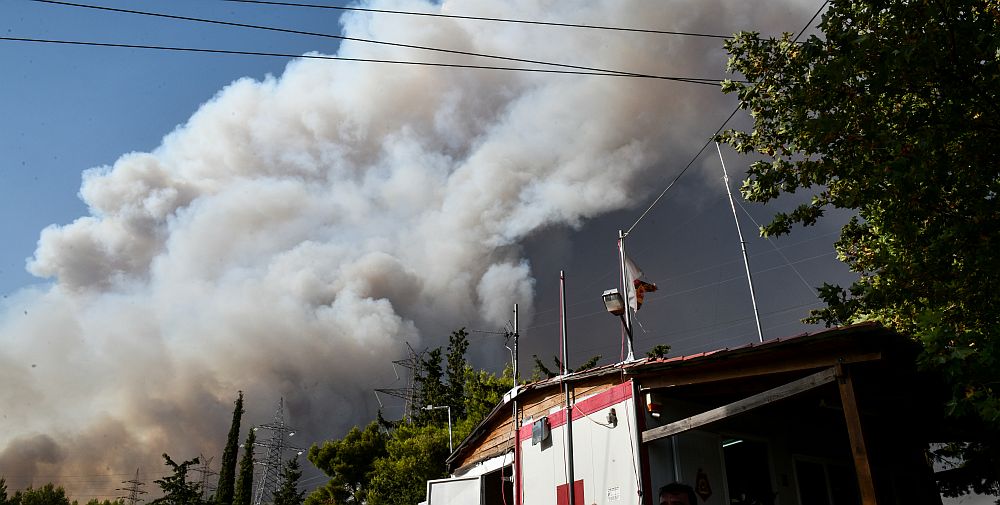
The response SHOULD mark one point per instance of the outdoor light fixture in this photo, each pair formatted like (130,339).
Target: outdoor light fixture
(614,302)
(437,407)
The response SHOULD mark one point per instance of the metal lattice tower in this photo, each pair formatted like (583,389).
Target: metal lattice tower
(206,471)
(411,362)
(269,479)
(133,490)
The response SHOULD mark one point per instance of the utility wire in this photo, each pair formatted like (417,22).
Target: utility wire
(342,58)
(367,41)
(480,18)
(717,131)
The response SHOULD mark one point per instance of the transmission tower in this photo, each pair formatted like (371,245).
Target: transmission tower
(274,446)
(133,490)
(411,362)
(206,471)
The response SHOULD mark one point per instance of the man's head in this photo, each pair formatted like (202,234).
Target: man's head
(678,494)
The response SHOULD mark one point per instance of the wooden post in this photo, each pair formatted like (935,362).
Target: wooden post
(852,416)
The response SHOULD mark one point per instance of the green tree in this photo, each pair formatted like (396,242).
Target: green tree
(455,370)
(415,454)
(95,501)
(288,493)
(892,113)
(349,462)
(483,391)
(431,387)
(49,494)
(177,490)
(244,481)
(227,472)
(3,492)
(543,372)
(659,351)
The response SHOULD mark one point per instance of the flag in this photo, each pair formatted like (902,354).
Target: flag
(636,288)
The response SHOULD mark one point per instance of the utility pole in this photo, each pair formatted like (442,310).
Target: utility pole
(270,474)
(133,490)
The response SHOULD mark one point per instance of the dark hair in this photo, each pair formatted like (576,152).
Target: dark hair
(678,488)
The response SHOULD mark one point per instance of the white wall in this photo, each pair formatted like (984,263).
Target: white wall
(605,456)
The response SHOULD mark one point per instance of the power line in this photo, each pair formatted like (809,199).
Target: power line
(481,18)
(367,41)
(717,131)
(692,80)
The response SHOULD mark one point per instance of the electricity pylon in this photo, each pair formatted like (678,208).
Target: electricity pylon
(133,489)
(411,362)
(206,471)
(270,473)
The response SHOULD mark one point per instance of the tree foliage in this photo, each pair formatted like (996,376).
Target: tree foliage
(543,372)
(49,494)
(659,351)
(288,493)
(227,472)
(243,493)
(893,113)
(415,454)
(390,462)
(177,489)
(349,462)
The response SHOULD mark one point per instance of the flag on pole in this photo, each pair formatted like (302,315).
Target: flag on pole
(636,287)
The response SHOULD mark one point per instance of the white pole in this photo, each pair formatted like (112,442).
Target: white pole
(450,448)
(743,244)
(628,309)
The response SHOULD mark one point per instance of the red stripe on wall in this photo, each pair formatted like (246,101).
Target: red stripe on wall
(602,400)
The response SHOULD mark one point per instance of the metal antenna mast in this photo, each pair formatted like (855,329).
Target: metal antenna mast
(270,474)
(133,489)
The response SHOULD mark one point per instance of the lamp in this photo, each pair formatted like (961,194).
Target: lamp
(614,302)
(437,407)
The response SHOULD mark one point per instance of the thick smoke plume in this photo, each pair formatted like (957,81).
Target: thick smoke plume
(296,231)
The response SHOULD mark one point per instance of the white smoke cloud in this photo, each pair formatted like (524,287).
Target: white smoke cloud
(296,231)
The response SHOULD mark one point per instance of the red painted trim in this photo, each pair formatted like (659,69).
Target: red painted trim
(647,482)
(602,400)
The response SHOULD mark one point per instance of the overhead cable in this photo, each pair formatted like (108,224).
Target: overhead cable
(692,80)
(481,18)
(712,137)
(362,40)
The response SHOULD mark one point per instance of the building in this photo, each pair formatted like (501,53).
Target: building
(839,416)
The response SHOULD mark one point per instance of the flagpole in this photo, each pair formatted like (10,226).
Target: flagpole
(571,479)
(627,319)
(743,244)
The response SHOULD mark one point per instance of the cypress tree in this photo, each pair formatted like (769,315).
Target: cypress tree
(244,482)
(227,474)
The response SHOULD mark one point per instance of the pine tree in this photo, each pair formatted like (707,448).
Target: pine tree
(227,474)
(288,493)
(177,490)
(244,483)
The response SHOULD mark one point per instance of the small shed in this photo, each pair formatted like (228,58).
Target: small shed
(835,417)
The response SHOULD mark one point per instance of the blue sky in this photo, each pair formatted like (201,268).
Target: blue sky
(64,109)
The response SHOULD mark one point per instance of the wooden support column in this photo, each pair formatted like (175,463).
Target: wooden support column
(852,416)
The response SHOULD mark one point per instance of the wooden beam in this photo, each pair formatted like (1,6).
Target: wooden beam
(758,400)
(866,483)
(726,371)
